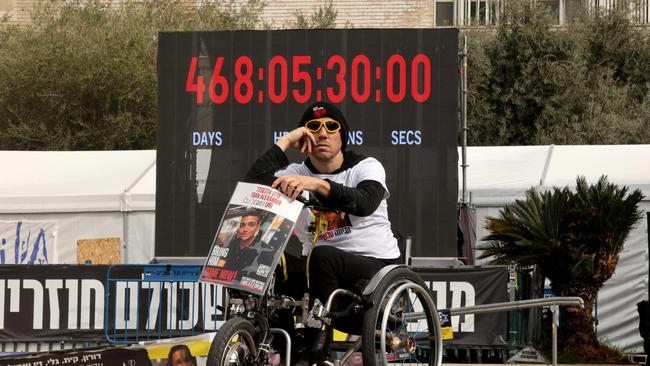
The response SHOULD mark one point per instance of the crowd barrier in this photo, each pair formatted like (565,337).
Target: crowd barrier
(144,303)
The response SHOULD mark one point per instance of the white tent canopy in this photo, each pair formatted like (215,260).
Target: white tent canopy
(498,175)
(77,181)
(80,195)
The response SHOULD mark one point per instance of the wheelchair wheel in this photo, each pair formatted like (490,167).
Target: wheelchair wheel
(403,324)
(234,344)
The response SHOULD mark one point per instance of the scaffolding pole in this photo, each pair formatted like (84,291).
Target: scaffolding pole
(463,118)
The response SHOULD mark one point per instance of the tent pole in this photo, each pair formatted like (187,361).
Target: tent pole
(463,118)
(125,235)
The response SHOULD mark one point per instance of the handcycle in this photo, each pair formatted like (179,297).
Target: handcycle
(400,322)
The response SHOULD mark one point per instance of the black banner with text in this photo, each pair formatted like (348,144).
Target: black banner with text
(52,302)
(122,304)
(457,287)
(101,357)
(126,304)
(226,97)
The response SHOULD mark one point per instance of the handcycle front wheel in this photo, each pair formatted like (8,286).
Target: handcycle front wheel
(235,344)
(403,324)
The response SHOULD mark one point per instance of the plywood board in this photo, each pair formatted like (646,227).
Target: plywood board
(99,251)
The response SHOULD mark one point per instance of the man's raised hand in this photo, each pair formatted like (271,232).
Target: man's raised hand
(300,139)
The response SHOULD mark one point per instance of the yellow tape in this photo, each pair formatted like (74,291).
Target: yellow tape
(307,265)
(283,264)
(339,336)
(321,227)
(447,333)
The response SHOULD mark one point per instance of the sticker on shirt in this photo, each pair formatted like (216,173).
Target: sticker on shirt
(332,223)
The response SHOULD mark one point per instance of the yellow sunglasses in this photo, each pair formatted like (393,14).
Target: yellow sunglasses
(330,125)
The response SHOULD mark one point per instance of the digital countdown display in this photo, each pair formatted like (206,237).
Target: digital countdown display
(276,89)
(225,97)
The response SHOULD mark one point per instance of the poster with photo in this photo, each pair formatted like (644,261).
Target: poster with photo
(254,231)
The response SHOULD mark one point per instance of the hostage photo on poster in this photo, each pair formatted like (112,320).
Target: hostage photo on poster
(254,231)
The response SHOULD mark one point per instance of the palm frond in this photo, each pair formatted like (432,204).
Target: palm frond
(570,235)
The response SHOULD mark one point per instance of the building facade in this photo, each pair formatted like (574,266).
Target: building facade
(16,11)
(477,13)
(394,13)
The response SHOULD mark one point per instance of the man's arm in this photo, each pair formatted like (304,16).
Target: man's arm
(263,169)
(361,200)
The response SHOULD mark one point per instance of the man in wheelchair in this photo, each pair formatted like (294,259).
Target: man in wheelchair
(346,244)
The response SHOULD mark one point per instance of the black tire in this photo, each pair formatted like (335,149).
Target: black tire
(418,341)
(234,344)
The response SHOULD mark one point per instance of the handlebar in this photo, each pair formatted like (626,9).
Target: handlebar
(313,202)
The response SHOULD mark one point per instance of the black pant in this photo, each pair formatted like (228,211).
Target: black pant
(329,268)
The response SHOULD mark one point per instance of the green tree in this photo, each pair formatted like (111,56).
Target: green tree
(614,43)
(82,75)
(531,82)
(574,239)
(322,17)
(515,85)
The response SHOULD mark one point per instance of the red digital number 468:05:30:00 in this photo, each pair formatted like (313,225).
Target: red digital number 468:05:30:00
(278,83)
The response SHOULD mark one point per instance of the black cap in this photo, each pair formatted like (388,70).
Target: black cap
(325,109)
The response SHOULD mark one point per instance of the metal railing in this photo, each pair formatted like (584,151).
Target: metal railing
(152,302)
(553,302)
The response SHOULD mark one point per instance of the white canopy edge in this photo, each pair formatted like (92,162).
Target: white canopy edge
(497,175)
(93,181)
(78,181)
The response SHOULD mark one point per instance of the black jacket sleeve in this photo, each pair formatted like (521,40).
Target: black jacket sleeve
(361,200)
(263,169)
